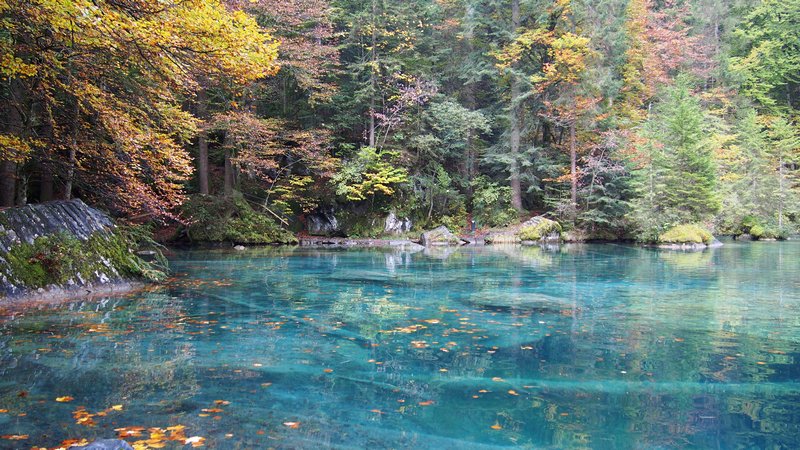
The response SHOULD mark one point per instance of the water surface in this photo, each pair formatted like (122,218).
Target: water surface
(591,346)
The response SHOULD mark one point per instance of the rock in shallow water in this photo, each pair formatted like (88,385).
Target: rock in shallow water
(440,236)
(105,444)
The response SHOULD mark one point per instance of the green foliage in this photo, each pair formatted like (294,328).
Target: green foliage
(540,230)
(369,173)
(57,258)
(686,234)
(492,204)
(677,183)
(231,219)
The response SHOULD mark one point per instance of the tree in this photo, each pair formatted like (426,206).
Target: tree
(105,89)
(676,178)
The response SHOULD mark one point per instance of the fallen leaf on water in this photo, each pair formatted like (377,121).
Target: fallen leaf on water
(196,441)
(498,379)
(426,403)
(292,425)
(328,370)
(64,399)
(221,402)
(496,426)
(3,411)
(512,392)
(212,410)
(116,408)
(14,437)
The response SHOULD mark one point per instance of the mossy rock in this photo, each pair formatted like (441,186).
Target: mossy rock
(231,219)
(686,234)
(540,228)
(58,258)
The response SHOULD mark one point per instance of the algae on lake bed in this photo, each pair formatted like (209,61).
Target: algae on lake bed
(597,346)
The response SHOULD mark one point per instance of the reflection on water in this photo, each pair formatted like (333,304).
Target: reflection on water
(567,347)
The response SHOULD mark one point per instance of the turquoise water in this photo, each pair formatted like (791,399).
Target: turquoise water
(592,346)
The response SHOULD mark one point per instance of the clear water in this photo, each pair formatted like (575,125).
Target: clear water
(579,347)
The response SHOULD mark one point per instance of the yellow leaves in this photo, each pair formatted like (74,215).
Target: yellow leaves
(64,399)
(85,418)
(496,426)
(426,403)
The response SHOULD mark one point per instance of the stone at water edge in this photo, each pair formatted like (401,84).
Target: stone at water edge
(323,222)
(395,225)
(239,247)
(440,236)
(105,444)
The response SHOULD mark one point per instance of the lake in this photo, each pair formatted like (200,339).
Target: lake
(578,346)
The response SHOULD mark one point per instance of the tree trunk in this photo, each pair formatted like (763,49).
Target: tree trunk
(202,144)
(372,77)
(228,186)
(516,187)
(8,183)
(46,183)
(573,166)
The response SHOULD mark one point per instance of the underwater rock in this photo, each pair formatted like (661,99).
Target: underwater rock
(105,444)
(440,236)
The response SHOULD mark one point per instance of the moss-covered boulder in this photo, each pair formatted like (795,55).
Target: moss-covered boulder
(687,236)
(540,229)
(231,219)
(440,236)
(61,246)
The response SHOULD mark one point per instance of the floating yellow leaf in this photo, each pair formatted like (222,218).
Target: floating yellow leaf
(496,426)
(426,403)
(292,425)
(64,399)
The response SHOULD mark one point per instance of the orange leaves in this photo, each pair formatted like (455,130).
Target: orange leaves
(408,329)
(85,418)
(292,425)
(64,399)
(14,437)
(426,403)
(159,437)
(496,426)
(327,370)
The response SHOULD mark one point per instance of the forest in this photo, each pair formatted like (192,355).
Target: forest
(619,118)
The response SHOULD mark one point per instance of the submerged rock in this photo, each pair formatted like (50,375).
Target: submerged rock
(440,236)
(105,444)
(395,225)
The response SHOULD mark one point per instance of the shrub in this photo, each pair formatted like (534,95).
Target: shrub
(231,219)
(686,234)
(492,204)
